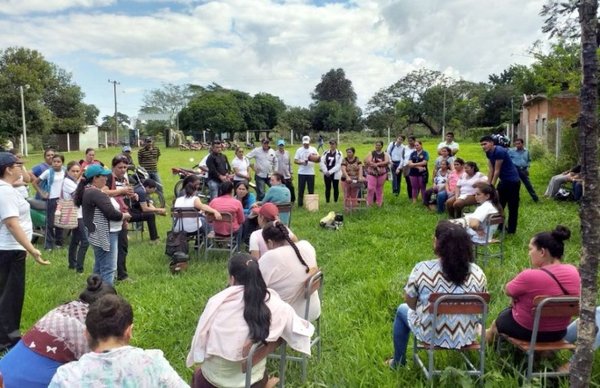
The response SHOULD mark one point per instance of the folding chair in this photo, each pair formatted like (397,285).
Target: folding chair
(454,304)
(545,307)
(137,227)
(286,209)
(486,252)
(313,284)
(178,214)
(223,243)
(257,353)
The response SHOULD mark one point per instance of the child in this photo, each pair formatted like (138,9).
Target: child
(50,186)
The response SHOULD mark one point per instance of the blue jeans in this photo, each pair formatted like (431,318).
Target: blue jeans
(396,178)
(442,197)
(260,186)
(571,335)
(105,263)
(400,334)
(213,188)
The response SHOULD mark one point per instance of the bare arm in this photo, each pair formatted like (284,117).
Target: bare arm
(36,185)
(200,206)
(497,167)
(13,226)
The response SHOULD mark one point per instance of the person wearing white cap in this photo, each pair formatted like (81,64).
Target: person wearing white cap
(284,167)
(305,158)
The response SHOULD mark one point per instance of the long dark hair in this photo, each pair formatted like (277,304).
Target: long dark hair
(257,315)
(455,250)
(487,189)
(95,289)
(244,200)
(190,185)
(553,241)
(78,193)
(474,166)
(108,317)
(277,232)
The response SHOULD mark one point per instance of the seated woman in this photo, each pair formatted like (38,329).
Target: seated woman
(244,313)
(57,338)
(557,180)
(287,265)
(452,270)
(112,361)
(190,199)
(243,195)
(476,222)
(548,276)
(226,203)
(264,214)
(439,186)
(464,193)
(453,177)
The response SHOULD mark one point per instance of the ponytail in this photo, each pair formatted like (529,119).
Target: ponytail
(257,315)
(276,231)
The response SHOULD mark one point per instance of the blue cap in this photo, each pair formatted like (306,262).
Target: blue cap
(7,159)
(280,142)
(95,170)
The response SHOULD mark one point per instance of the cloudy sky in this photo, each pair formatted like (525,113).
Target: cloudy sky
(275,46)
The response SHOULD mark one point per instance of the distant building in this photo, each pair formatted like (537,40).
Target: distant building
(546,117)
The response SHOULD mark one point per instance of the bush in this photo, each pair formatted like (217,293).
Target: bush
(537,148)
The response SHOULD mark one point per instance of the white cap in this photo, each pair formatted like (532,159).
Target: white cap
(306,140)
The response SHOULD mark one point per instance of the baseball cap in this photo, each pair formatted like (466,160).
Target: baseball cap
(95,170)
(306,140)
(6,159)
(268,210)
(280,142)
(148,139)
(265,141)
(126,149)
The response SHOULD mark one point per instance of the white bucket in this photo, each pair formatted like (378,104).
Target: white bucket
(311,202)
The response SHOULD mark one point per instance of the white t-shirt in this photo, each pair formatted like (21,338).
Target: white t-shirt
(59,176)
(466,184)
(481,213)
(242,166)
(189,224)
(453,146)
(303,154)
(68,190)
(12,204)
(258,243)
(115,226)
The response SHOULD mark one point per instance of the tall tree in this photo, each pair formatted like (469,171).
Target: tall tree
(335,103)
(169,99)
(589,211)
(334,86)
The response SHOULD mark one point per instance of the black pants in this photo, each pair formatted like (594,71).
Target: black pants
(54,235)
(408,186)
(12,294)
(524,175)
(329,181)
(508,193)
(122,254)
(289,183)
(150,219)
(78,246)
(396,178)
(303,181)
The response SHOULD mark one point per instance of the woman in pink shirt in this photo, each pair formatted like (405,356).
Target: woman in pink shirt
(549,277)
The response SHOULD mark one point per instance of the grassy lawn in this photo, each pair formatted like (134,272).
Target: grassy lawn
(366,264)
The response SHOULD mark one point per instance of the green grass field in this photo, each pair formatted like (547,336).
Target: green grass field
(366,264)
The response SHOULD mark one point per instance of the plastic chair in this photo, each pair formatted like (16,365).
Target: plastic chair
(285,208)
(484,249)
(545,307)
(223,243)
(178,214)
(454,304)
(313,284)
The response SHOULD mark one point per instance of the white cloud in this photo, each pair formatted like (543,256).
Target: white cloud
(283,47)
(20,7)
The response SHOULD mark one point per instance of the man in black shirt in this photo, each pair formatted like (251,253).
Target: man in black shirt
(142,208)
(218,169)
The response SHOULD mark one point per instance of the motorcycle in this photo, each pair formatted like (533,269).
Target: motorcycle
(203,192)
(38,218)
(137,175)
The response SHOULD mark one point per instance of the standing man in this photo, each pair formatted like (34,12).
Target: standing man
(284,168)
(396,150)
(148,158)
(306,170)
(321,143)
(218,169)
(501,167)
(38,169)
(408,150)
(265,163)
(449,142)
(521,159)
(331,167)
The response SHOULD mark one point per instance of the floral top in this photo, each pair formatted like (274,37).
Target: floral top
(126,366)
(352,167)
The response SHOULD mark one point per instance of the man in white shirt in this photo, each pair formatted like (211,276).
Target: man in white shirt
(450,143)
(408,149)
(284,167)
(265,164)
(306,170)
(396,151)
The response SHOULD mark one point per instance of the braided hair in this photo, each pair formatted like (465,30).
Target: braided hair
(277,232)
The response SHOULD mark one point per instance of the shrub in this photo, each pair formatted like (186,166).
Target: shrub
(537,148)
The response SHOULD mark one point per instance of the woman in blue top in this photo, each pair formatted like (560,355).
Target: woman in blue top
(243,195)
(418,170)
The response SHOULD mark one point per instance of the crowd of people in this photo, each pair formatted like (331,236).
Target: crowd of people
(265,298)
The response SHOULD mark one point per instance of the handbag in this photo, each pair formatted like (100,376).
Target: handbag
(65,216)
(176,241)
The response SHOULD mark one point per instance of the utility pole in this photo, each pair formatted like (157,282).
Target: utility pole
(23,119)
(444,115)
(115,83)
(512,119)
